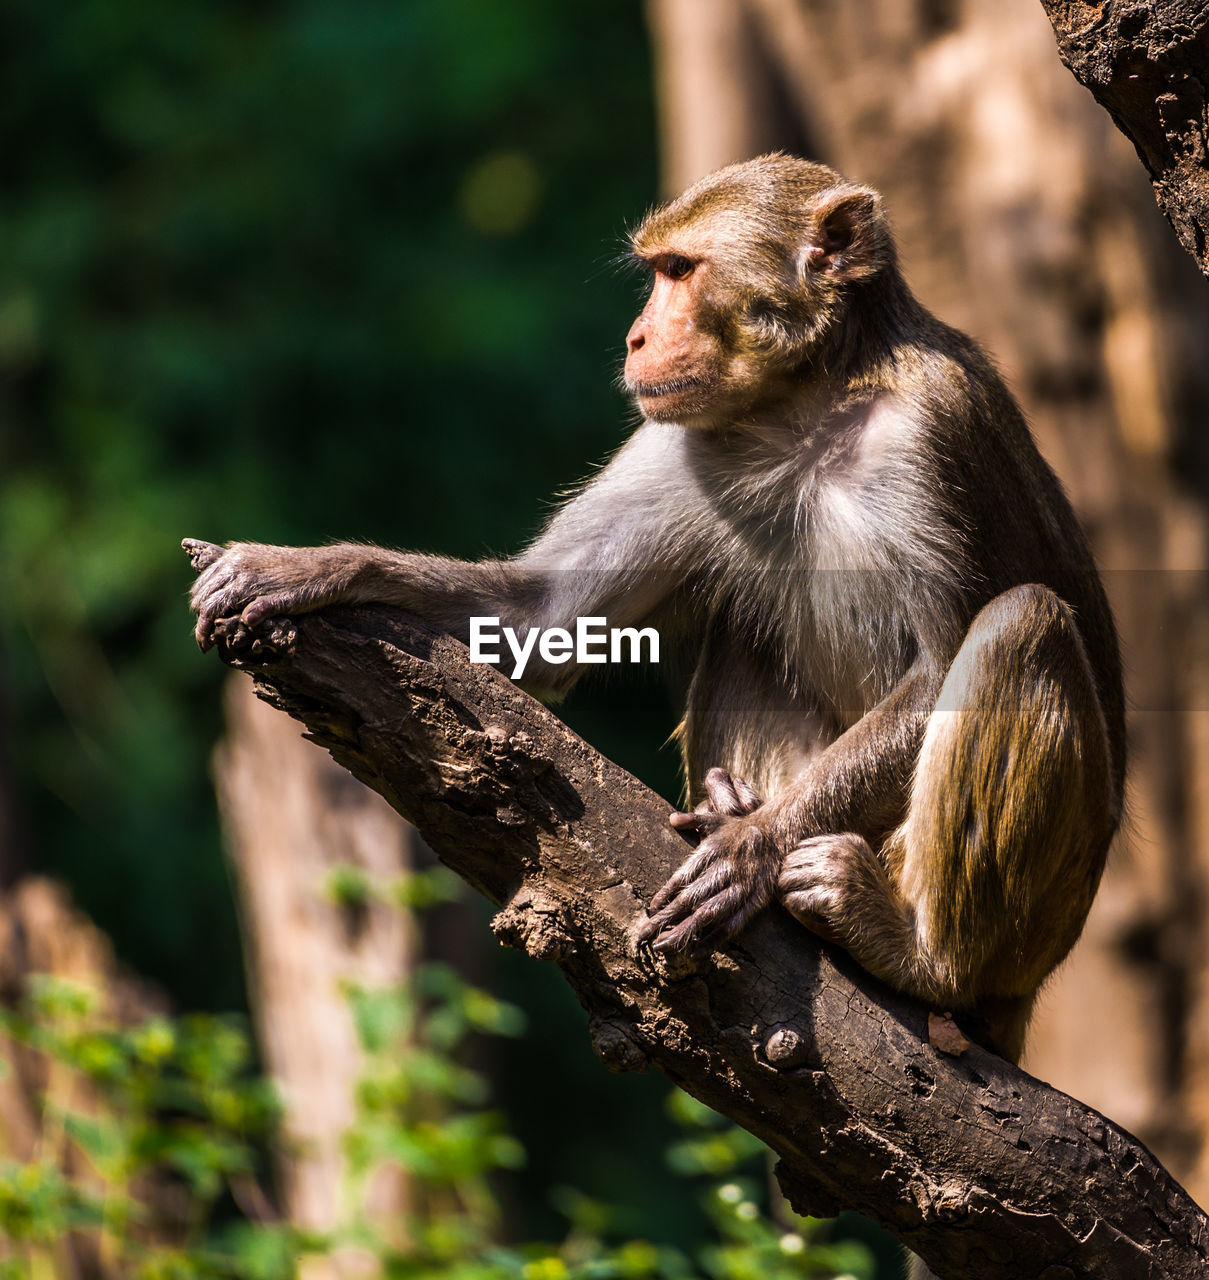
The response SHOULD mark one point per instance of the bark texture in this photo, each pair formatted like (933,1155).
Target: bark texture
(1147,65)
(969,1161)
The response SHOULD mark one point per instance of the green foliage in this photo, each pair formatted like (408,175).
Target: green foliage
(165,1102)
(172,1102)
(292,271)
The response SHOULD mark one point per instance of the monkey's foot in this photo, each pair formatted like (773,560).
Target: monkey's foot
(257,582)
(726,796)
(716,891)
(240,644)
(838,888)
(820,877)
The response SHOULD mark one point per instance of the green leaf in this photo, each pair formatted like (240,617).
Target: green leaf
(422,890)
(103,1139)
(349,886)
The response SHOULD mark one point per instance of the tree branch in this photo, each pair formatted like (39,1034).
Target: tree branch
(1147,65)
(969,1161)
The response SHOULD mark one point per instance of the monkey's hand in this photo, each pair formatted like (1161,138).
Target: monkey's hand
(254,582)
(725,795)
(729,878)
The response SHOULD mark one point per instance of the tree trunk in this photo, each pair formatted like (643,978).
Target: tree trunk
(41,932)
(291,818)
(1024,218)
(969,1161)
(1148,67)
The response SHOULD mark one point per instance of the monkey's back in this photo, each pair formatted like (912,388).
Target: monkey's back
(840,552)
(1016,520)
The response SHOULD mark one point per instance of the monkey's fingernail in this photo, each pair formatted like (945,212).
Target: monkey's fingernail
(672,943)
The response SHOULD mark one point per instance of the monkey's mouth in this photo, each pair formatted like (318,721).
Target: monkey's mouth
(653,390)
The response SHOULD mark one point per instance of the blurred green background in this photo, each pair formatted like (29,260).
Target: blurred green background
(293,272)
(290,272)
(279,271)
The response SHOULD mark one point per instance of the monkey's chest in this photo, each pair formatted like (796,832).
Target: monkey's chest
(786,669)
(847,639)
(833,603)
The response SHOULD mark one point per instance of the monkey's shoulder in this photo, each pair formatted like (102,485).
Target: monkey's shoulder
(947,376)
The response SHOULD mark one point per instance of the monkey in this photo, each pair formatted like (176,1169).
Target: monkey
(904,719)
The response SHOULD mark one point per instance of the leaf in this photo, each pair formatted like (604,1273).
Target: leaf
(102,1139)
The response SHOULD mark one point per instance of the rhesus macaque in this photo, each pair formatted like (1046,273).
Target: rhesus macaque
(905,719)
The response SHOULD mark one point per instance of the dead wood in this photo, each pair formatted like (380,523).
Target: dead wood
(973,1164)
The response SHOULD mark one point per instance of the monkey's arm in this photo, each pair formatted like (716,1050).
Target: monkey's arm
(615,550)
(257,581)
(858,784)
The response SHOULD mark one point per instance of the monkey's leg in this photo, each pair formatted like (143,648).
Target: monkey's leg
(740,717)
(985,885)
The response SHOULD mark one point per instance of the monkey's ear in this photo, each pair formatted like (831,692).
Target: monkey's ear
(848,238)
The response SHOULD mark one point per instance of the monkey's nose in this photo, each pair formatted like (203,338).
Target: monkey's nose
(635,340)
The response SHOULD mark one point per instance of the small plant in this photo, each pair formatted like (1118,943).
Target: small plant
(143,1131)
(151,1152)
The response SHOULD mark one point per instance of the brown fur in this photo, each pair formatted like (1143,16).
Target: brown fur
(897,632)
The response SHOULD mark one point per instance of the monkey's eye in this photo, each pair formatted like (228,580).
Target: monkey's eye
(674,265)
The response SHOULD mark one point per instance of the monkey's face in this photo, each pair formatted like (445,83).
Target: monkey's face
(709,348)
(752,267)
(675,365)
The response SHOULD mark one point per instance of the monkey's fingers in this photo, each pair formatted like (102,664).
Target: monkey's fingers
(688,871)
(714,921)
(723,796)
(720,788)
(680,908)
(810,883)
(702,876)
(270,606)
(701,821)
(201,554)
(209,600)
(727,796)
(748,799)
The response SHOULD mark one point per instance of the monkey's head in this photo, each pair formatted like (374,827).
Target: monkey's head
(755,267)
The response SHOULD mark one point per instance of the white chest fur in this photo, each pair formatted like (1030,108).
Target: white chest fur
(825,550)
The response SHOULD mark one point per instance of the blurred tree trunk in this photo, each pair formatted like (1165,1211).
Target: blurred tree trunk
(292,817)
(41,932)
(1025,218)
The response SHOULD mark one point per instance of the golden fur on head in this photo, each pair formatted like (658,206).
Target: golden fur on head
(791,248)
(757,215)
